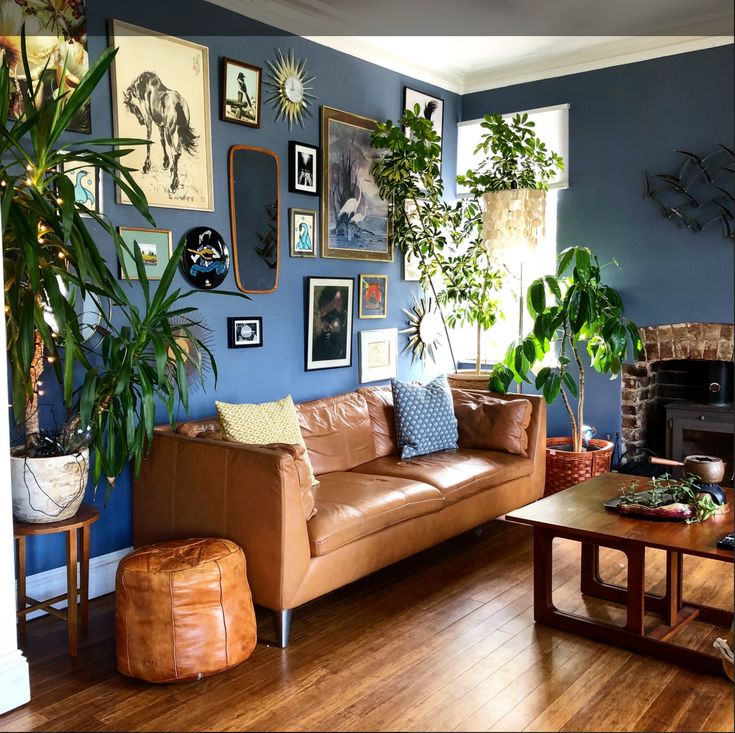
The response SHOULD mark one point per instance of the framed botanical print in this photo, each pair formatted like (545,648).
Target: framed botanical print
(373,299)
(244,332)
(241,92)
(303,233)
(432,108)
(355,223)
(87,182)
(155,249)
(303,170)
(378,354)
(160,92)
(328,317)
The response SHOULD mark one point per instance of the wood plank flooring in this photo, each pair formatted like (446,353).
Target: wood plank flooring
(442,641)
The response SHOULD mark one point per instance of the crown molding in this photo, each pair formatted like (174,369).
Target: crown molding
(615,53)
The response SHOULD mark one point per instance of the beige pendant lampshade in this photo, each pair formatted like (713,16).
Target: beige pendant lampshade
(513,220)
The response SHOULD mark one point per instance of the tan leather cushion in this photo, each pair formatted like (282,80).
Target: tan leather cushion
(458,474)
(382,417)
(337,432)
(183,609)
(493,424)
(351,505)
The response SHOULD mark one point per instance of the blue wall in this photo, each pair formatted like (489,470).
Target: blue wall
(623,121)
(276,369)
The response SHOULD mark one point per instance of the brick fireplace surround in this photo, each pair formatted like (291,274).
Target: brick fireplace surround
(693,341)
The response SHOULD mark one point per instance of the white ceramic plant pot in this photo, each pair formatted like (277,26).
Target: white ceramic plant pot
(48,489)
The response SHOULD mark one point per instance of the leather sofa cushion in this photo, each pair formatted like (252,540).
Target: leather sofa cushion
(209,429)
(490,423)
(458,474)
(351,505)
(337,432)
(382,417)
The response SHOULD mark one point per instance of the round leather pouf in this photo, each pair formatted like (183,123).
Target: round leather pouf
(183,610)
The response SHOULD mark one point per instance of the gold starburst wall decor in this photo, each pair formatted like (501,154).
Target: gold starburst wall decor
(289,85)
(424,330)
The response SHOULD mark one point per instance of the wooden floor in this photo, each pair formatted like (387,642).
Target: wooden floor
(442,641)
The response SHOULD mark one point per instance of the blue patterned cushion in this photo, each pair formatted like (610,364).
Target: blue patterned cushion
(425,420)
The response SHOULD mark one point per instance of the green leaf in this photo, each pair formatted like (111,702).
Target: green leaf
(565,258)
(552,387)
(570,384)
(582,264)
(537,297)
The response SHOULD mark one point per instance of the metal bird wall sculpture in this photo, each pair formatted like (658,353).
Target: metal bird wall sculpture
(701,192)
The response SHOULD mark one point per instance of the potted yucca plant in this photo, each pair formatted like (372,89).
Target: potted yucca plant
(51,264)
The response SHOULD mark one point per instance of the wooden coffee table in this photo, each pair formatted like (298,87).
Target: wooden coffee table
(578,514)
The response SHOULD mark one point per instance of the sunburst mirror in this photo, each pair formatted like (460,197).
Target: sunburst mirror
(424,330)
(290,86)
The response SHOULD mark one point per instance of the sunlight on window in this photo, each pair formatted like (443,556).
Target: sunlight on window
(521,273)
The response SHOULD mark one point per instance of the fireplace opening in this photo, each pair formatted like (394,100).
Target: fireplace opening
(679,400)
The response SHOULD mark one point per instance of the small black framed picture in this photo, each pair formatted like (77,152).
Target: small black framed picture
(244,332)
(303,168)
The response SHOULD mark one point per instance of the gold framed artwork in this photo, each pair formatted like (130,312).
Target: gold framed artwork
(241,92)
(160,92)
(373,299)
(303,233)
(378,354)
(155,249)
(355,222)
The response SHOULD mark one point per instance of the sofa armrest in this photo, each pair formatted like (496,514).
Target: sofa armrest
(196,487)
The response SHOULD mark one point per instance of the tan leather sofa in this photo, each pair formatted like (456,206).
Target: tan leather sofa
(372,508)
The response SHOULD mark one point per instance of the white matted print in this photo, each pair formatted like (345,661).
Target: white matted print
(160,92)
(378,354)
(430,107)
(87,182)
(244,332)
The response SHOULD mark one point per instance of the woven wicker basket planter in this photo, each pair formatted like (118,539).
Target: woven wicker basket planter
(565,468)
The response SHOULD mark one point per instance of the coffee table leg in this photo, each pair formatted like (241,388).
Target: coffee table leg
(21,560)
(590,569)
(636,588)
(71,589)
(543,606)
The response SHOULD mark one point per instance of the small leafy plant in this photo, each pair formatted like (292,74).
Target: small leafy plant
(669,498)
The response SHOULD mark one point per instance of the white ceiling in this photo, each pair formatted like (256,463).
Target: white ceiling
(437,41)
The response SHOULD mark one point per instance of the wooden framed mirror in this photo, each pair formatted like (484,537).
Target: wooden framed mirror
(255,216)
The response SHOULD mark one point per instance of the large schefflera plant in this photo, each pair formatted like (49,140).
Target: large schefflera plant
(443,239)
(571,308)
(52,263)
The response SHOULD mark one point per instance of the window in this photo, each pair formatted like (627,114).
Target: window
(552,126)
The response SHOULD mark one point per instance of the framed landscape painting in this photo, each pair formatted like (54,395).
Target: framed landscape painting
(355,222)
(160,92)
(155,249)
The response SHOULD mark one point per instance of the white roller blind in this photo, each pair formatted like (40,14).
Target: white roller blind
(552,127)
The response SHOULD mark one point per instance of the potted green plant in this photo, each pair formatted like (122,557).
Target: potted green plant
(51,264)
(443,239)
(571,309)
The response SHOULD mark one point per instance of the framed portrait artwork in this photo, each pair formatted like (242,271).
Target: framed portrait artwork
(160,92)
(87,182)
(303,233)
(373,299)
(378,354)
(355,223)
(241,92)
(328,316)
(155,249)
(303,168)
(244,332)
(430,107)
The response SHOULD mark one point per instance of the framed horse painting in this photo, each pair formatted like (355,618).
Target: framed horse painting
(160,92)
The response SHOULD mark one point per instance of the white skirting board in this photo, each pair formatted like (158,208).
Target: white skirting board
(52,582)
(14,686)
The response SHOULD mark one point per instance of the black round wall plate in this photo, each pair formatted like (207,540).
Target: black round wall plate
(206,258)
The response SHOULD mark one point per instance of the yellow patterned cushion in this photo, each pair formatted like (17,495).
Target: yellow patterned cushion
(270,422)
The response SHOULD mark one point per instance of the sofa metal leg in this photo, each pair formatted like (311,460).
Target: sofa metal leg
(283,627)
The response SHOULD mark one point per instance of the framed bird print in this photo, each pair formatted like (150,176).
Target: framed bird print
(355,223)
(430,107)
(240,92)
